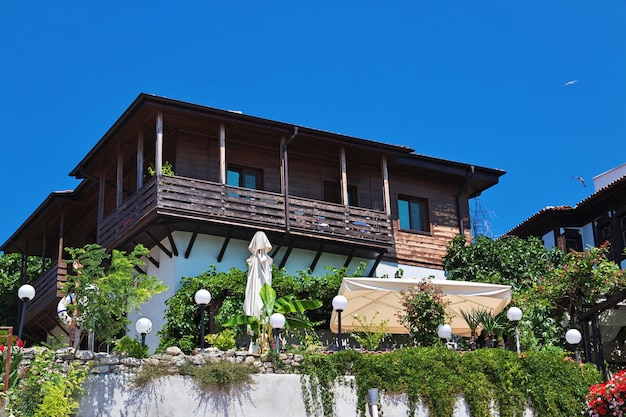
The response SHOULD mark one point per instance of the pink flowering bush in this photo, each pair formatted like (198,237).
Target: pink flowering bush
(609,398)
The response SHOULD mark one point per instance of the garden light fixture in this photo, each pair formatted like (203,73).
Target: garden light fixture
(202,298)
(339,304)
(143,327)
(277,321)
(25,293)
(515,315)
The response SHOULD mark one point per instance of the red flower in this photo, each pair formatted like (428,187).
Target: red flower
(20,343)
(1,348)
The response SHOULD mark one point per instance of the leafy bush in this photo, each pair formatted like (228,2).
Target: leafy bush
(368,334)
(424,310)
(131,347)
(224,340)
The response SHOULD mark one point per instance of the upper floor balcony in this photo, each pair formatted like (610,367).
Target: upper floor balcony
(189,199)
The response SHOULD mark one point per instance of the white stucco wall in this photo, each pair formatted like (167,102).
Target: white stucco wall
(271,395)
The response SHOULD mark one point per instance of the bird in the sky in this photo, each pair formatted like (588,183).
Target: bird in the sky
(582,180)
(570,83)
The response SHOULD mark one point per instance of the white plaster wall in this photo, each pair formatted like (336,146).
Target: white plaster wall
(270,395)
(548,240)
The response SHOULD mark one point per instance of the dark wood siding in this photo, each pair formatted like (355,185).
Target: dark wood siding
(192,155)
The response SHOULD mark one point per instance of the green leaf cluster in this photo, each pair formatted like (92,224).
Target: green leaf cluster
(107,287)
(228,291)
(424,309)
(46,389)
(549,382)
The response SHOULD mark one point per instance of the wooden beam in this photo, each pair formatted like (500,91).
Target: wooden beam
(287,253)
(344,177)
(158,153)
(386,192)
(192,240)
(139,159)
(317,257)
(119,183)
(610,302)
(220,256)
(349,258)
(222,154)
(159,244)
(170,238)
(378,259)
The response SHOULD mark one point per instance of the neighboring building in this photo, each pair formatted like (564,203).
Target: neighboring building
(322,199)
(599,218)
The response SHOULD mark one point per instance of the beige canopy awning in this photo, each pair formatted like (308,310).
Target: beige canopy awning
(367,296)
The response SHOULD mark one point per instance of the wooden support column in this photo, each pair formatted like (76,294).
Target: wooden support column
(101,185)
(158,153)
(344,177)
(386,193)
(139,159)
(44,241)
(119,184)
(222,154)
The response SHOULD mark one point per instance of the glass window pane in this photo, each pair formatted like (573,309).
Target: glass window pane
(250,181)
(232,178)
(403,214)
(417,217)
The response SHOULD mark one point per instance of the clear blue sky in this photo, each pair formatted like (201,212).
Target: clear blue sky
(475,82)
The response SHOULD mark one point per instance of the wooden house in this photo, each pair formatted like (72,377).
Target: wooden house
(194,184)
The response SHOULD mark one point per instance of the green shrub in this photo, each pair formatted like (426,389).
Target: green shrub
(225,340)
(131,347)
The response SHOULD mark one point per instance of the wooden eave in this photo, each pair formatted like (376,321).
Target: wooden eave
(178,114)
(478,178)
(43,225)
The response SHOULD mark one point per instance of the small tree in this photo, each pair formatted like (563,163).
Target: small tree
(107,287)
(424,310)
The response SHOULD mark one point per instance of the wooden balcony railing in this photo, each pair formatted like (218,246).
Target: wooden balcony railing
(241,207)
(47,290)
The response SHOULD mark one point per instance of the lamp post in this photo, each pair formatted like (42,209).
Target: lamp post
(339,304)
(444,331)
(515,315)
(143,327)
(372,401)
(277,321)
(202,297)
(25,293)
(574,337)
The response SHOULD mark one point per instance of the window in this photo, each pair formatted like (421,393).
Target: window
(244,177)
(413,214)
(332,193)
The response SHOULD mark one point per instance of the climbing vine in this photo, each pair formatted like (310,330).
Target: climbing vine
(553,384)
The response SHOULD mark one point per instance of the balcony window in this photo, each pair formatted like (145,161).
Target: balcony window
(244,177)
(332,193)
(413,214)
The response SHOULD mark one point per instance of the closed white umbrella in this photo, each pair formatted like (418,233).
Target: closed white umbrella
(259,273)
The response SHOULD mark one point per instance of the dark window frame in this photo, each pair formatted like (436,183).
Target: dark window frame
(243,172)
(420,225)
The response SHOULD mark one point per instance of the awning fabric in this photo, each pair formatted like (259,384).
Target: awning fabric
(367,296)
